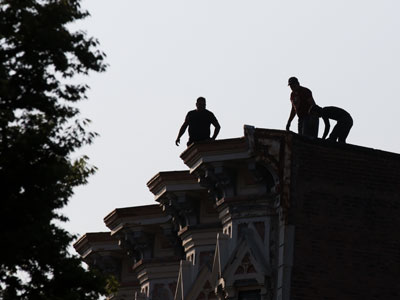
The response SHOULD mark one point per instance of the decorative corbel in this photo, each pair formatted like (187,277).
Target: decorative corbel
(219,180)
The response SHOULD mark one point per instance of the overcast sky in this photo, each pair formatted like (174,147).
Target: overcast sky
(239,56)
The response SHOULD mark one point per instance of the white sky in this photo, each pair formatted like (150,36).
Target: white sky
(238,55)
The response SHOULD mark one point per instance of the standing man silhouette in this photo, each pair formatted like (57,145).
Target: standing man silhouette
(199,121)
(302,102)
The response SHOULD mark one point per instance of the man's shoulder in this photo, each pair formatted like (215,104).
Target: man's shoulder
(211,115)
(304,89)
(209,112)
(191,112)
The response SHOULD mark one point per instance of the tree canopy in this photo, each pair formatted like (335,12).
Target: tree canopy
(40,129)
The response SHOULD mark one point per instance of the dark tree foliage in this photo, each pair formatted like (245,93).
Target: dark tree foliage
(39,132)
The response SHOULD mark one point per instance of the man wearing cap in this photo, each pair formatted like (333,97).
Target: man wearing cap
(302,102)
(199,121)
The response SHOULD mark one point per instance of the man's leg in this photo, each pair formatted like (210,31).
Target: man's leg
(311,125)
(345,129)
(300,126)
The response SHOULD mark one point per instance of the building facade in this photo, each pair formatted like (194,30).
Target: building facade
(270,215)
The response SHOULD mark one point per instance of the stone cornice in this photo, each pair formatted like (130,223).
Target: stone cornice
(210,151)
(175,181)
(92,242)
(101,250)
(157,268)
(200,235)
(139,215)
(90,237)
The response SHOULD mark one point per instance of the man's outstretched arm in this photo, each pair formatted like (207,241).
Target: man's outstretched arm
(217,128)
(291,117)
(181,132)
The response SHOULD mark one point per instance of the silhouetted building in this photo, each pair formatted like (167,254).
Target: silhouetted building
(271,215)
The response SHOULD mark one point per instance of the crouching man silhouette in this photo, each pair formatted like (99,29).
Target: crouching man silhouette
(343,125)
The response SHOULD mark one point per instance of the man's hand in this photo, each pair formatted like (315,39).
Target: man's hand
(291,117)
(181,132)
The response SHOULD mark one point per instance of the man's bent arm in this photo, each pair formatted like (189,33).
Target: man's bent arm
(327,127)
(291,117)
(181,132)
(216,129)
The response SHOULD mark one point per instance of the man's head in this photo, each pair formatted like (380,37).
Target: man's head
(293,83)
(201,103)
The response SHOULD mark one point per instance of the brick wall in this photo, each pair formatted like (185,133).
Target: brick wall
(345,206)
